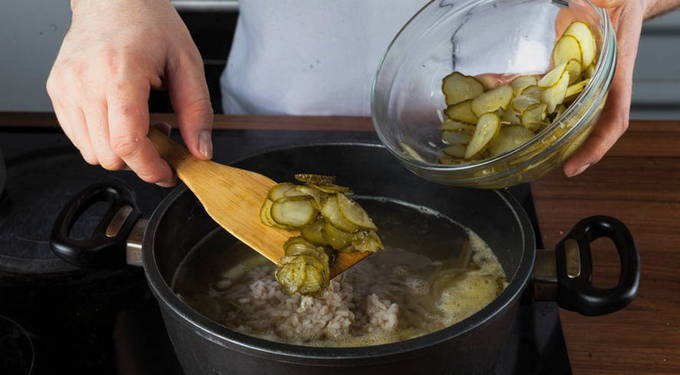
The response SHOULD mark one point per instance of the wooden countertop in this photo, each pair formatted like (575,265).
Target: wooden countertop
(638,182)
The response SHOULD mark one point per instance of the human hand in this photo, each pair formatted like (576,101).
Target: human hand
(627,17)
(114,53)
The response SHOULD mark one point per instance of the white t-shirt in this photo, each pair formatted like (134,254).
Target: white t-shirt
(309,57)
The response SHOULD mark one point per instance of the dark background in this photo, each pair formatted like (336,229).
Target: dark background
(212,32)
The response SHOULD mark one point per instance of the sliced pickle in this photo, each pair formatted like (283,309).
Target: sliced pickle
(336,237)
(451,160)
(314,233)
(554,96)
(297,240)
(522,82)
(342,225)
(458,88)
(314,178)
(487,128)
(551,78)
(489,80)
(534,116)
(410,152)
(291,276)
(560,110)
(574,69)
(308,191)
(266,215)
(509,138)
(510,117)
(366,241)
(458,138)
(279,190)
(456,126)
(309,261)
(589,72)
(461,112)
(533,91)
(522,102)
(303,274)
(314,284)
(331,212)
(300,246)
(354,213)
(455,151)
(576,88)
(293,211)
(301,249)
(331,188)
(586,40)
(567,48)
(525,105)
(492,100)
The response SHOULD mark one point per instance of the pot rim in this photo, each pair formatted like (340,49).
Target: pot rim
(223,336)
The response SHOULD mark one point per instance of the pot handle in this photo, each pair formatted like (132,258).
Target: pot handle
(574,268)
(106,246)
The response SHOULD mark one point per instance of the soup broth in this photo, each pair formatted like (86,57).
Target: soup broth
(419,284)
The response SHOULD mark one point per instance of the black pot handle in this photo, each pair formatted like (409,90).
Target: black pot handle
(106,247)
(575,268)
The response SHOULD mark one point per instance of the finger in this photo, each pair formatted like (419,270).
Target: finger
(191,100)
(77,132)
(60,112)
(69,114)
(128,117)
(614,119)
(607,3)
(98,130)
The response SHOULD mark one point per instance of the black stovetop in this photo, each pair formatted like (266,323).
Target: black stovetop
(57,319)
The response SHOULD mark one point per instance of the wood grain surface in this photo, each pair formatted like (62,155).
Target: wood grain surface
(638,182)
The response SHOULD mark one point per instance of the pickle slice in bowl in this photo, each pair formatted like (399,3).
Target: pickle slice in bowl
(567,48)
(554,96)
(581,32)
(534,116)
(458,88)
(522,82)
(487,128)
(509,138)
(461,112)
(492,100)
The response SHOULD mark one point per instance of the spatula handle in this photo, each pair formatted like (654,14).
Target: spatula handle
(175,154)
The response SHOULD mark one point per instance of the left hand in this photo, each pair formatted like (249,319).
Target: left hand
(627,17)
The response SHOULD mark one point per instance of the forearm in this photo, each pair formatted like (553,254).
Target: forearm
(659,7)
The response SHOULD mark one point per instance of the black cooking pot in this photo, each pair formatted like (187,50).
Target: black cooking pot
(469,347)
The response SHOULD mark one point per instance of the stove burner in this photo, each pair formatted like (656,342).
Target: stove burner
(38,186)
(16,346)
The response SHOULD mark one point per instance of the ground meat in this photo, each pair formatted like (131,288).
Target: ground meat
(373,303)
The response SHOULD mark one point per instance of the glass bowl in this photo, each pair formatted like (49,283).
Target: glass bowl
(474,37)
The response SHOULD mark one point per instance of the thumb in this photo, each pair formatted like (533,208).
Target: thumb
(607,3)
(191,101)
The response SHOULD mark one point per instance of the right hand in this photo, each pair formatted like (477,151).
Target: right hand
(115,52)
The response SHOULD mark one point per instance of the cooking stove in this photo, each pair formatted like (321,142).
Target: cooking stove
(57,319)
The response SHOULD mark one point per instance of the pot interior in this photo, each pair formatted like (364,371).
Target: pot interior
(410,212)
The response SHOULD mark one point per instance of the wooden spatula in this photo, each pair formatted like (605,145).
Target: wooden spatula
(233,198)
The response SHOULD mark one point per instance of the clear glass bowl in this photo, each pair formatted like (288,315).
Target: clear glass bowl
(506,37)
